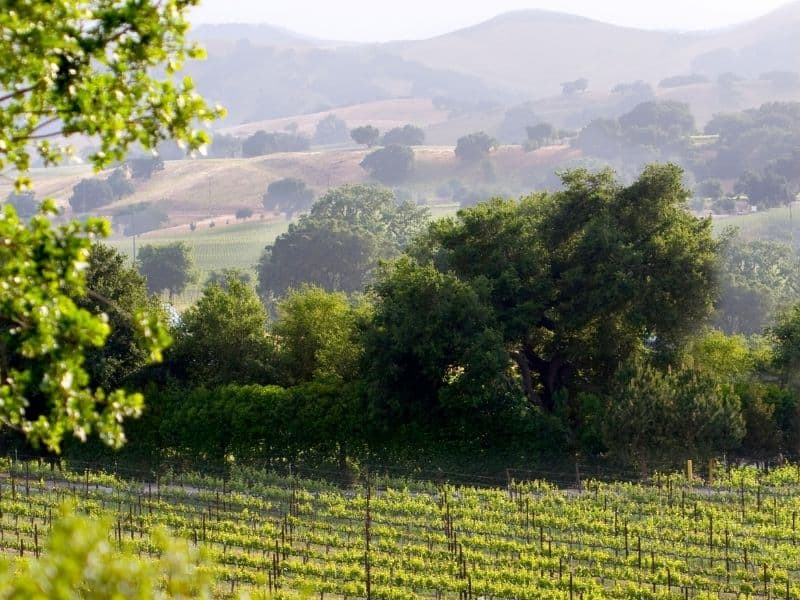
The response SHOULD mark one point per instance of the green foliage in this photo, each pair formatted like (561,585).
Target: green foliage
(249,422)
(44,336)
(167,268)
(433,356)
(317,335)
(391,164)
(578,280)
(786,339)
(223,338)
(367,135)
(758,281)
(651,130)
(675,412)
(119,292)
(70,68)
(340,241)
(289,195)
(474,146)
(79,562)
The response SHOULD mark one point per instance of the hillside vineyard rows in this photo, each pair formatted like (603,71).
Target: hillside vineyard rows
(273,537)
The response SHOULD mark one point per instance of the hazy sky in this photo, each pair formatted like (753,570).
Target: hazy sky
(380,20)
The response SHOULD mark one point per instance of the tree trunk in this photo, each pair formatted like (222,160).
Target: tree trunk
(527,379)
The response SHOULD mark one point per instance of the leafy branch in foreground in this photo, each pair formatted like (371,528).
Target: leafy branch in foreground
(73,67)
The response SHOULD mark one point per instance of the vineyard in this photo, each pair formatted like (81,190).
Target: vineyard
(268,536)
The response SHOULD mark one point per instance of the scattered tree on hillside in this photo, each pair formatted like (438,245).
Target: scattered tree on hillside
(288,196)
(367,135)
(243,213)
(408,135)
(338,243)
(24,203)
(570,88)
(139,218)
(144,167)
(261,143)
(331,130)
(225,146)
(515,121)
(391,164)
(167,268)
(120,183)
(474,146)
(89,194)
(540,135)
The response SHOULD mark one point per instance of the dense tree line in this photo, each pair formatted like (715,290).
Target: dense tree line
(578,320)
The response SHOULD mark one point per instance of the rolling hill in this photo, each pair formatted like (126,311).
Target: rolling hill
(260,72)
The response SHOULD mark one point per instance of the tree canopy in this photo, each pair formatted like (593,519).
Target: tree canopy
(391,164)
(223,337)
(289,196)
(339,242)
(474,146)
(578,280)
(167,268)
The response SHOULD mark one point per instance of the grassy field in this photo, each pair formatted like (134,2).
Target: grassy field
(236,246)
(271,537)
(781,224)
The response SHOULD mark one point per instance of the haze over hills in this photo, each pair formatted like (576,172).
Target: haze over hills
(264,72)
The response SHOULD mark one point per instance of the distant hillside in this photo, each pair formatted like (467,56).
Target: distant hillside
(261,72)
(383,114)
(536,51)
(264,82)
(258,34)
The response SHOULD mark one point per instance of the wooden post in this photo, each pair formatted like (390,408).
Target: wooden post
(689,471)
